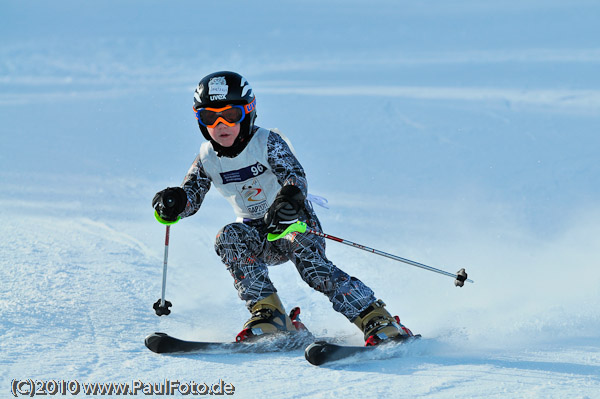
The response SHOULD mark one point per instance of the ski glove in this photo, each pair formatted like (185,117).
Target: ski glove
(285,210)
(169,203)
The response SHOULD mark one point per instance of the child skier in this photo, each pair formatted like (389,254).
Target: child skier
(257,172)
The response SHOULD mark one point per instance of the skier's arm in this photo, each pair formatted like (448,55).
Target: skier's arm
(284,163)
(288,204)
(196,184)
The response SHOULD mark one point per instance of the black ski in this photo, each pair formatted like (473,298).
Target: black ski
(322,352)
(163,343)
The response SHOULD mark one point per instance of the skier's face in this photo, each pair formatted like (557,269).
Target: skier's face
(224,135)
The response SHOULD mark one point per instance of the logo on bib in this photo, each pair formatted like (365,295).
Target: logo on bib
(254,198)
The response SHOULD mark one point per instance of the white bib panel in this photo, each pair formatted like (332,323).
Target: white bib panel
(246,181)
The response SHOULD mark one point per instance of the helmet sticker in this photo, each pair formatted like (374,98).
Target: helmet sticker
(246,87)
(217,88)
(198,93)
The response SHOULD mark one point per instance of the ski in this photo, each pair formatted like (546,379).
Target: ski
(321,352)
(159,342)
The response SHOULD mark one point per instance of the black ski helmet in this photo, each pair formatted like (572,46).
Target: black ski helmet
(224,88)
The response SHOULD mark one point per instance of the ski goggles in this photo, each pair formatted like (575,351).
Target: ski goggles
(229,115)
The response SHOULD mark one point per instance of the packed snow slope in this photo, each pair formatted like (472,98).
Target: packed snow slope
(457,134)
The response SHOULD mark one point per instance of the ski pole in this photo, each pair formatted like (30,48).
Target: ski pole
(301,227)
(161,307)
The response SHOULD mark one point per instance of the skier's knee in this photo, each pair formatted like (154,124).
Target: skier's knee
(232,236)
(230,233)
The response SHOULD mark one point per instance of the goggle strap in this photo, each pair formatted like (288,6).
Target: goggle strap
(250,107)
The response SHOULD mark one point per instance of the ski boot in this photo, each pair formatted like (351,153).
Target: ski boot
(268,317)
(378,325)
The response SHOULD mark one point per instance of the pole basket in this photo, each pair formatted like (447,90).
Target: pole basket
(162,309)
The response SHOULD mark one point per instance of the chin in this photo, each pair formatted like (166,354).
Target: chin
(226,144)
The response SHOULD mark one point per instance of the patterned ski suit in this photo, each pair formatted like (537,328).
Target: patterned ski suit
(250,182)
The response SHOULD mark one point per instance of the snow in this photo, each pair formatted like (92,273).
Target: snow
(456,134)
